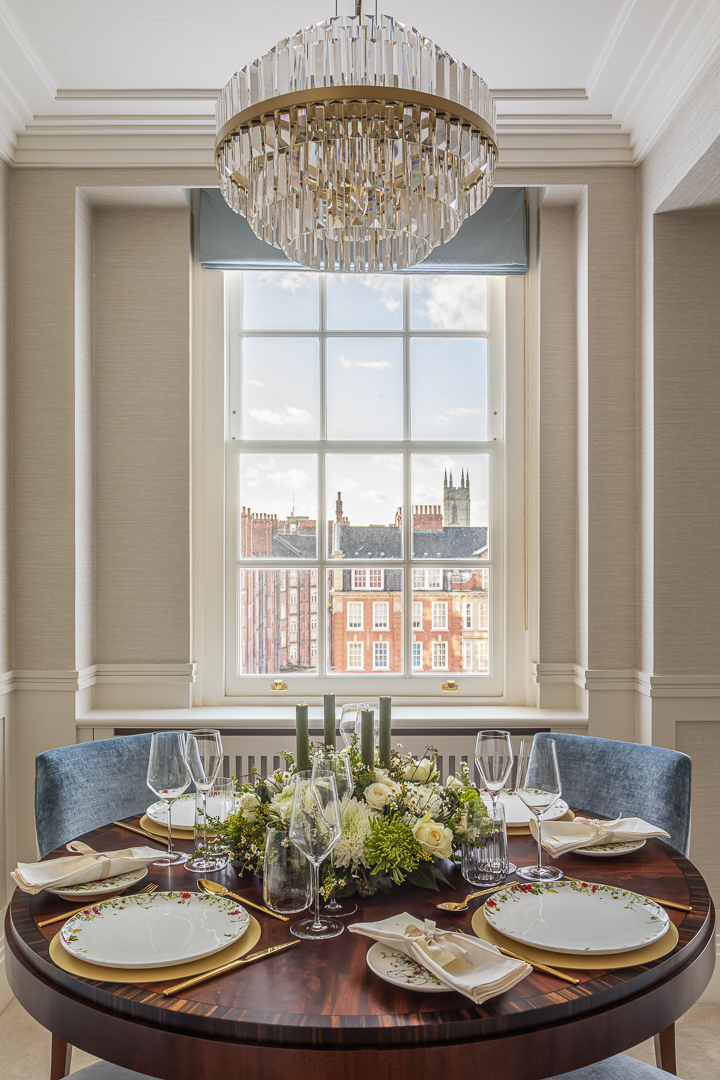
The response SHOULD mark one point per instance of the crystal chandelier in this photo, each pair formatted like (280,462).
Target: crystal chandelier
(356,145)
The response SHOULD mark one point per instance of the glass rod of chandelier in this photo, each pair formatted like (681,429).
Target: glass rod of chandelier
(356,145)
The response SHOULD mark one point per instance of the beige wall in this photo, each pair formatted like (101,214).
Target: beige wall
(142,435)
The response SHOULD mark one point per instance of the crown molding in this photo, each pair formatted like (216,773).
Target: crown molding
(691,686)
(72,681)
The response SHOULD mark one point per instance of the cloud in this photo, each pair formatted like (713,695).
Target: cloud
(286,279)
(391,291)
(458,411)
(344,362)
(254,382)
(281,418)
(451,302)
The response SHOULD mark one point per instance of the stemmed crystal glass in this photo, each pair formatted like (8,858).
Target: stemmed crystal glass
(494,759)
(315,829)
(204,756)
(168,777)
(348,715)
(538,765)
(328,758)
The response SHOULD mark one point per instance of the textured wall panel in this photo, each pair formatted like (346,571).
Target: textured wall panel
(558,435)
(701,741)
(142,435)
(6,656)
(84,479)
(687,443)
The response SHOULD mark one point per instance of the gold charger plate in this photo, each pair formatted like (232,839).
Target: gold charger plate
(524,830)
(597,961)
(151,826)
(74,966)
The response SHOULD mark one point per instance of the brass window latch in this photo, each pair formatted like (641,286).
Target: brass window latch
(450,687)
(278,686)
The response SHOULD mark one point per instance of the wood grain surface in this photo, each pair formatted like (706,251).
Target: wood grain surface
(297,1009)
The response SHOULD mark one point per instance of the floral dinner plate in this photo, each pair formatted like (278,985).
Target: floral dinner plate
(517,813)
(96,890)
(576,917)
(608,851)
(399,969)
(153,930)
(183,812)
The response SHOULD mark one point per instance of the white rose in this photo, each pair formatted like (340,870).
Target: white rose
(419,772)
(434,839)
(454,783)
(377,794)
(249,804)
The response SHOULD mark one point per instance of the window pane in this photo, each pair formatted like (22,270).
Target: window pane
(364,630)
(448,302)
(281,300)
(275,613)
(449,388)
(364,388)
(363,499)
(278,506)
(442,640)
(450,517)
(364,301)
(280,388)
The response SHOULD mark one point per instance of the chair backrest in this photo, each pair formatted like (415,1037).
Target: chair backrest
(611,778)
(79,788)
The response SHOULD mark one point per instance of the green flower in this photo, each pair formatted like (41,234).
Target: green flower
(392,849)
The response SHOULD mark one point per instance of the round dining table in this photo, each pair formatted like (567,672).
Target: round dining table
(317,1012)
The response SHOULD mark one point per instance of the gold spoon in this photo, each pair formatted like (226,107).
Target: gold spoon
(213,887)
(451,905)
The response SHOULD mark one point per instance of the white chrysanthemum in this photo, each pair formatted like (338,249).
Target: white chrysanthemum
(356,827)
(281,804)
(427,800)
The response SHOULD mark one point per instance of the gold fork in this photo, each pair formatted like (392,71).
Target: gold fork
(68,914)
(453,905)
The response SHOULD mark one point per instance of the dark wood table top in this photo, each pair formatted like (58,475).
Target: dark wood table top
(323,996)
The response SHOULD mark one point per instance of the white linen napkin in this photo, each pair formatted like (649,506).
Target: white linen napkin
(466,964)
(89,865)
(559,837)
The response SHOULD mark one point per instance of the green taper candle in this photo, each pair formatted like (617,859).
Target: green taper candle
(385,748)
(329,706)
(367,738)
(302,739)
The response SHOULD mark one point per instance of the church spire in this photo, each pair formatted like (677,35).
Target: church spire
(445,480)
(467,482)
(462,478)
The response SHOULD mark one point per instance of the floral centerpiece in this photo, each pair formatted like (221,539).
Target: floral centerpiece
(399,823)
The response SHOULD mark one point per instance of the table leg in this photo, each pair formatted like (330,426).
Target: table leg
(60,1059)
(665,1050)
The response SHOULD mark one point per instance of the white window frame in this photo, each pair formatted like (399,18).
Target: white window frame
(467,615)
(467,655)
(417,645)
(355,604)
(439,619)
(436,648)
(357,647)
(232,687)
(283,639)
(313,623)
(417,608)
(381,646)
(381,608)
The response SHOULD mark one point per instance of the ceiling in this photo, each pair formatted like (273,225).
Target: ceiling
(576,81)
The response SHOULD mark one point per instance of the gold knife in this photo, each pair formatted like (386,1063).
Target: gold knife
(228,967)
(532,963)
(140,832)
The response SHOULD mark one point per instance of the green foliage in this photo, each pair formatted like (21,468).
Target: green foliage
(392,849)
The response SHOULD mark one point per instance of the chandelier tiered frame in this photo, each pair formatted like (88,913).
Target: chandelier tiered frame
(356,145)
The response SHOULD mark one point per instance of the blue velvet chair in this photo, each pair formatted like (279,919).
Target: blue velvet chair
(611,778)
(79,788)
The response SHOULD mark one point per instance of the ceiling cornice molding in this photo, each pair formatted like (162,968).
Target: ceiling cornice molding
(610,45)
(25,48)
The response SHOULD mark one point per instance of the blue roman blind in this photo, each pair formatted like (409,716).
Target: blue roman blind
(492,241)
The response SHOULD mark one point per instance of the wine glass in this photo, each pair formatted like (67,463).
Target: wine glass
(348,716)
(327,758)
(315,829)
(168,777)
(494,759)
(537,765)
(203,755)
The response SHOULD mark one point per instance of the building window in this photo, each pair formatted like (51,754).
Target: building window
(319,366)
(439,655)
(483,655)
(313,649)
(380,656)
(380,615)
(467,655)
(355,615)
(282,639)
(293,652)
(355,655)
(482,616)
(439,615)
